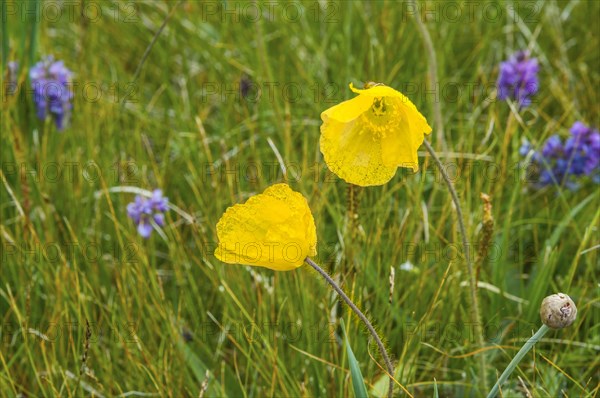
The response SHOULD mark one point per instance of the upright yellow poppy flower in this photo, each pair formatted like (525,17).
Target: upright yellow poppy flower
(274,229)
(365,139)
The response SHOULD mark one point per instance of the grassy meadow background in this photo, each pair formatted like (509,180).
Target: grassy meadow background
(227,99)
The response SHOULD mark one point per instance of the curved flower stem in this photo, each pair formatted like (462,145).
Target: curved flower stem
(386,358)
(515,361)
(475,315)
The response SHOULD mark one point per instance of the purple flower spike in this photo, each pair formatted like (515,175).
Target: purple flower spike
(159,219)
(518,78)
(158,202)
(564,164)
(145,229)
(51,84)
(552,147)
(525,148)
(144,211)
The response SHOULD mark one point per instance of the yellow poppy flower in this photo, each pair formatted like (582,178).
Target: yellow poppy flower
(365,139)
(274,229)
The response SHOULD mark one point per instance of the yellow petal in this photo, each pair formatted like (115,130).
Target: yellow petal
(385,91)
(354,154)
(416,120)
(400,147)
(348,110)
(379,91)
(274,229)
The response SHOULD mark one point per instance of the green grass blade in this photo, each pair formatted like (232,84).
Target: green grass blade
(542,273)
(34,32)
(358,383)
(4,38)
(568,218)
(199,369)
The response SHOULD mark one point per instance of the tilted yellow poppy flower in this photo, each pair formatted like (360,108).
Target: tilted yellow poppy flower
(365,139)
(274,229)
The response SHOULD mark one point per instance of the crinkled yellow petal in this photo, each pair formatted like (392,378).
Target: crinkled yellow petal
(400,147)
(385,91)
(348,110)
(354,154)
(274,229)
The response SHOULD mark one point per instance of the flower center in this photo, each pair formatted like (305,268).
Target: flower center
(382,118)
(378,107)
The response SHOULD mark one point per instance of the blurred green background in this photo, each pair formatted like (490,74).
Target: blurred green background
(227,99)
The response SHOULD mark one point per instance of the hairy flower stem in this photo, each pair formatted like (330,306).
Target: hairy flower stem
(475,315)
(515,361)
(353,307)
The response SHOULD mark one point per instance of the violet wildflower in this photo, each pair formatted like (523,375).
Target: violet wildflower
(583,147)
(525,148)
(552,147)
(143,211)
(566,163)
(518,78)
(51,84)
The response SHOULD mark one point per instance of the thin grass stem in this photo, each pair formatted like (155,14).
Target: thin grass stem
(136,74)
(433,77)
(34,32)
(5,43)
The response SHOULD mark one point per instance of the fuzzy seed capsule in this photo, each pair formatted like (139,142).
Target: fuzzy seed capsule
(558,311)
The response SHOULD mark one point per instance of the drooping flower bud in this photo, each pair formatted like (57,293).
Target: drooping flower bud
(558,311)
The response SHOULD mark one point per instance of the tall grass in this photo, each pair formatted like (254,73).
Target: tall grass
(169,319)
